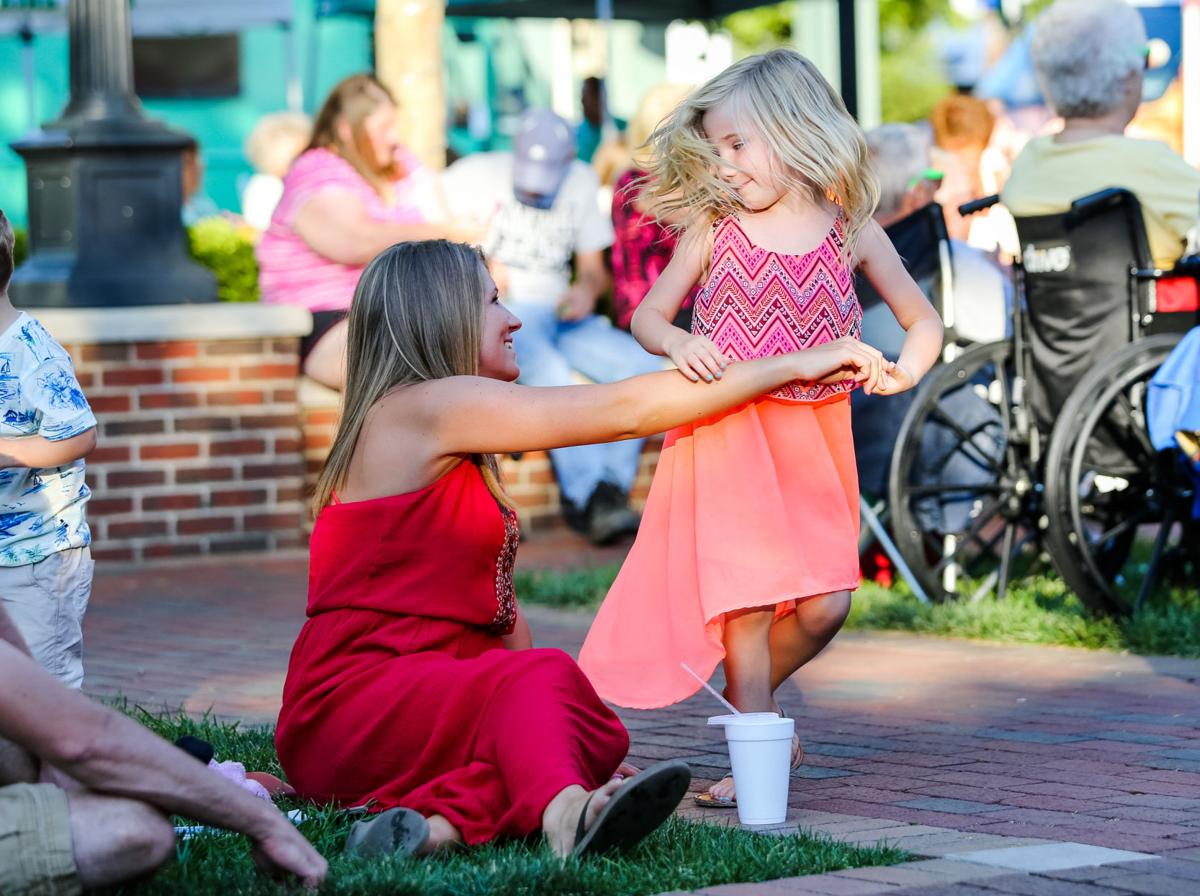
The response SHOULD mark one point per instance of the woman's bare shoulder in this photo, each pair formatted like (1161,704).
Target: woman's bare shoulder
(429,400)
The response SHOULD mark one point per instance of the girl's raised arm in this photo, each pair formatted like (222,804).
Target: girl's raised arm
(878,260)
(696,356)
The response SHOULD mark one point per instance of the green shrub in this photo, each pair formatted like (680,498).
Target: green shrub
(226,249)
(20,245)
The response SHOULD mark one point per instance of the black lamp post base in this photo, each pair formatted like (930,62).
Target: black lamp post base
(56,280)
(105,186)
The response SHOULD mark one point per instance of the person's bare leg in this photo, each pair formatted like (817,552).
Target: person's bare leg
(441,834)
(117,840)
(747,670)
(326,363)
(748,659)
(798,637)
(17,765)
(560,819)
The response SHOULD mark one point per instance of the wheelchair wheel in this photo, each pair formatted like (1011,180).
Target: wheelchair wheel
(964,500)
(1121,531)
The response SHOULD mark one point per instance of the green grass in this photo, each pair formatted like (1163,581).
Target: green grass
(1037,611)
(680,855)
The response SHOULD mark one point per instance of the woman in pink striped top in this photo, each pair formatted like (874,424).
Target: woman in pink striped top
(353,192)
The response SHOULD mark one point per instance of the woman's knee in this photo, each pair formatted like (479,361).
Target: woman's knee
(326,363)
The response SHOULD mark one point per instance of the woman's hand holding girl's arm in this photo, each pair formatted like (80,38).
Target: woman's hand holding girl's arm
(923,342)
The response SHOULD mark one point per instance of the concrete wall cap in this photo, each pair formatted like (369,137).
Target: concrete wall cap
(173,323)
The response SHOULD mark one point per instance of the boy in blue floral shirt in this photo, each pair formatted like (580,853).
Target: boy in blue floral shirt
(46,429)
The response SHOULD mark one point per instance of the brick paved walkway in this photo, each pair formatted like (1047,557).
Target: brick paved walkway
(988,760)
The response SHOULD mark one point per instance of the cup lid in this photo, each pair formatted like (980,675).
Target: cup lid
(745,718)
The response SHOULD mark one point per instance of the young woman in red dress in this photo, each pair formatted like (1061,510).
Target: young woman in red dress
(414,685)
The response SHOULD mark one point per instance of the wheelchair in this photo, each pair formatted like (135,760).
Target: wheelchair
(924,246)
(1033,451)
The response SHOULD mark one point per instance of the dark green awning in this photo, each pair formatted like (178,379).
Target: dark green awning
(640,10)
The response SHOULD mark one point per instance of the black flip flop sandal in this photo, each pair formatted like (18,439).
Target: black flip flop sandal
(637,807)
(393,832)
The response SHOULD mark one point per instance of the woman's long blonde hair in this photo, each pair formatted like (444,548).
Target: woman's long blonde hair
(417,315)
(781,97)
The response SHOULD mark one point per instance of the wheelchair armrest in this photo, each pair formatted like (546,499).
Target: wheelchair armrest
(1188,266)
(978,205)
(1152,273)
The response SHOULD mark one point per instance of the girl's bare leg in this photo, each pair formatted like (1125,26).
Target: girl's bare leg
(798,637)
(791,642)
(747,669)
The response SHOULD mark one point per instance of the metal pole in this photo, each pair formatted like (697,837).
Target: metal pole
(101,56)
(867,512)
(27,58)
(295,86)
(849,54)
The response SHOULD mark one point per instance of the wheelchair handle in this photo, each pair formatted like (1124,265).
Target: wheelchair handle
(978,205)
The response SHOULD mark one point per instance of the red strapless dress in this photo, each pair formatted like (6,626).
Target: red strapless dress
(399,689)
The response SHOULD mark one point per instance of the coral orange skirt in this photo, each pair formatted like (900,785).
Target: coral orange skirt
(754,507)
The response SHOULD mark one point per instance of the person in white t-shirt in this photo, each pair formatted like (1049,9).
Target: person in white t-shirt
(539,203)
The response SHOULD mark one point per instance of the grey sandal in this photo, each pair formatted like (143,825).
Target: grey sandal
(397,831)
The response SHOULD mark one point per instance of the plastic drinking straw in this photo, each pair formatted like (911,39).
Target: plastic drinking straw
(708,687)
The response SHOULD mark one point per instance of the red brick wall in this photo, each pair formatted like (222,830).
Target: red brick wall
(199,447)
(530,480)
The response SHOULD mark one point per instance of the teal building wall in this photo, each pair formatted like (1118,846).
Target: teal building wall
(325,51)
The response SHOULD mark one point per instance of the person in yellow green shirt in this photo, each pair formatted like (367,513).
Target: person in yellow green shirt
(1090,56)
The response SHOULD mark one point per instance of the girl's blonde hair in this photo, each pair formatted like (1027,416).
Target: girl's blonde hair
(417,315)
(275,134)
(781,98)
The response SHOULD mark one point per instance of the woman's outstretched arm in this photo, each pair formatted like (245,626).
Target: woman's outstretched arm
(466,415)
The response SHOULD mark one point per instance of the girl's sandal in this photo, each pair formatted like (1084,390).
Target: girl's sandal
(709,801)
(797,747)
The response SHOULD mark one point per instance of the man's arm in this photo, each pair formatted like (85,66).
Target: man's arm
(38,452)
(591,280)
(113,755)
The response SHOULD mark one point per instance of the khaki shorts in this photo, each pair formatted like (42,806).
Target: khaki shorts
(46,602)
(36,857)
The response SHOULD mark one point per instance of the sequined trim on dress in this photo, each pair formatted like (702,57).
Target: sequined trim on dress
(506,595)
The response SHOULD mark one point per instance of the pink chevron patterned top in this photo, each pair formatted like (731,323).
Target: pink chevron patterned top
(758,303)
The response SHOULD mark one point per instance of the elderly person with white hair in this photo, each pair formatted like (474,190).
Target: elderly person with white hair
(1090,56)
(903,157)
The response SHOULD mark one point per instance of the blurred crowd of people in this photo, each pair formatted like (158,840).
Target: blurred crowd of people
(574,248)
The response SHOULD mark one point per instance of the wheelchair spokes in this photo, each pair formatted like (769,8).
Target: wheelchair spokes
(964,503)
(1120,512)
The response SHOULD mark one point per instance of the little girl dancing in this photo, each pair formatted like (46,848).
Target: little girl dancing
(748,548)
